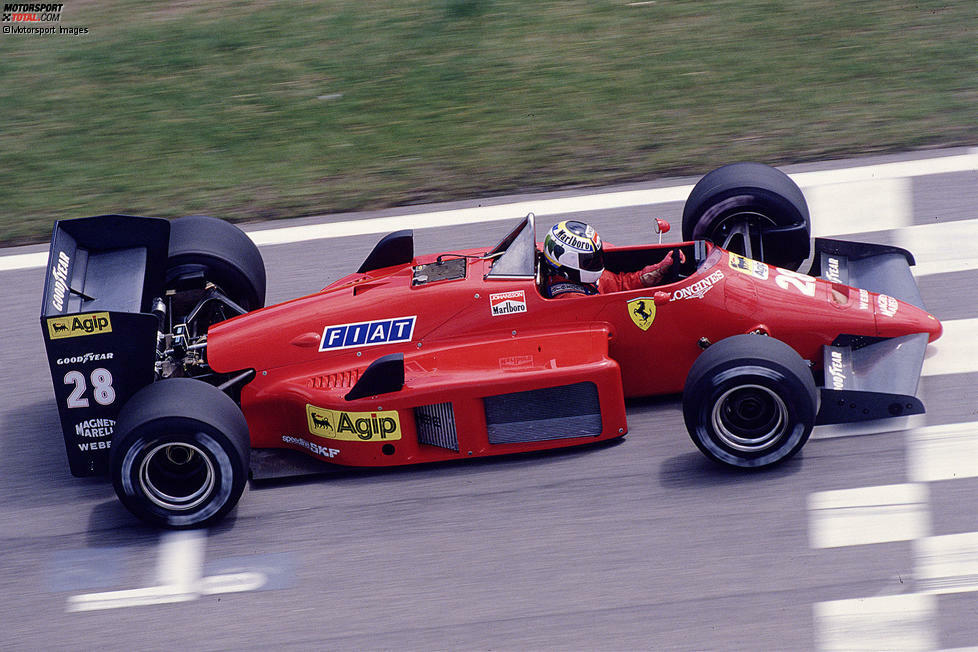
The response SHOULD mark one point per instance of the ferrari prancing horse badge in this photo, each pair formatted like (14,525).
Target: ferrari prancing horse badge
(642,312)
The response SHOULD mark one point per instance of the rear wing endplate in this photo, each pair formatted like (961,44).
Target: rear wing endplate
(99,332)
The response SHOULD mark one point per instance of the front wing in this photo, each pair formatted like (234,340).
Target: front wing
(870,378)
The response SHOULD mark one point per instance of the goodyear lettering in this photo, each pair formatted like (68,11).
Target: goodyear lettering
(315,449)
(95,428)
(832,273)
(353,426)
(837,370)
(367,333)
(94,323)
(82,359)
(59,272)
(698,289)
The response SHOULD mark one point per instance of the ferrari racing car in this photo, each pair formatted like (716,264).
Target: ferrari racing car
(169,370)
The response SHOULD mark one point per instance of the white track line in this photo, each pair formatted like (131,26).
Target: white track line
(889,622)
(943,247)
(943,452)
(853,517)
(567,205)
(946,564)
(956,352)
(179,571)
(860,206)
(23,261)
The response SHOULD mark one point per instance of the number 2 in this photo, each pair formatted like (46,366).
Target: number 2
(801,282)
(103,392)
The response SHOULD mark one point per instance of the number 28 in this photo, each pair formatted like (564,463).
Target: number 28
(102,390)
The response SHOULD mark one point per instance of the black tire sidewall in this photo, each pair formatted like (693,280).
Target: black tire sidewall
(756,360)
(188,411)
(230,471)
(225,254)
(750,187)
(723,203)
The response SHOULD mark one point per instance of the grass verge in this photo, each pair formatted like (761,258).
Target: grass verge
(261,110)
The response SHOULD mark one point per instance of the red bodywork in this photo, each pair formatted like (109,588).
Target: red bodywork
(459,351)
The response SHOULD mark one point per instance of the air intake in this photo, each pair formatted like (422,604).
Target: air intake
(542,414)
(436,425)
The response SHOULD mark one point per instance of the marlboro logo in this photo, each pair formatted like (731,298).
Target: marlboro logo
(507,303)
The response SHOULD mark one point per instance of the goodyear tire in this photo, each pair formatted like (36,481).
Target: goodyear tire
(180,454)
(206,249)
(750,401)
(751,209)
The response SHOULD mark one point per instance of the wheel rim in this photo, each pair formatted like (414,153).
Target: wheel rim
(749,418)
(177,476)
(747,227)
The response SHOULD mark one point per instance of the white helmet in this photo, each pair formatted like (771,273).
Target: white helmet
(574,250)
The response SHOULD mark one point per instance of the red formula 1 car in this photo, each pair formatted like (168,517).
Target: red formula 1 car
(168,371)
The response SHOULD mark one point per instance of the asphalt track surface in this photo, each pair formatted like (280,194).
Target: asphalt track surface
(867,540)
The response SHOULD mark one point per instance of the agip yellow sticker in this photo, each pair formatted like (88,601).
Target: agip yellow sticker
(353,426)
(92,323)
(754,268)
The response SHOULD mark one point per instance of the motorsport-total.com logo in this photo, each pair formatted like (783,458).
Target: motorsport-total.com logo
(36,18)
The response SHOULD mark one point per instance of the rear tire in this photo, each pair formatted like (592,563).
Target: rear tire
(750,401)
(180,454)
(751,209)
(205,249)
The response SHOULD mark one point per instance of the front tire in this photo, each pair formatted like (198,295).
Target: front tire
(750,401)
(751,209)
(180,454)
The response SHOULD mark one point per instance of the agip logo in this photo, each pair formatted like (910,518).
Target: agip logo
(754,268)
(93,323)
(382,425)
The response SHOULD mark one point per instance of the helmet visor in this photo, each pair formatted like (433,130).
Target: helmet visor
(592,261)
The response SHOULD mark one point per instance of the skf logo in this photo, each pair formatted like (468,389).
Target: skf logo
(315,449)
(93,323)
(506,303)
(367,333)
(642,312)
(353,426)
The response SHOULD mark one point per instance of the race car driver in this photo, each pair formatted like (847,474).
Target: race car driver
(575,264)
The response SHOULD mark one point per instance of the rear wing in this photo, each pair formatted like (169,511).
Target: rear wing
(870,378)
(99,331)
